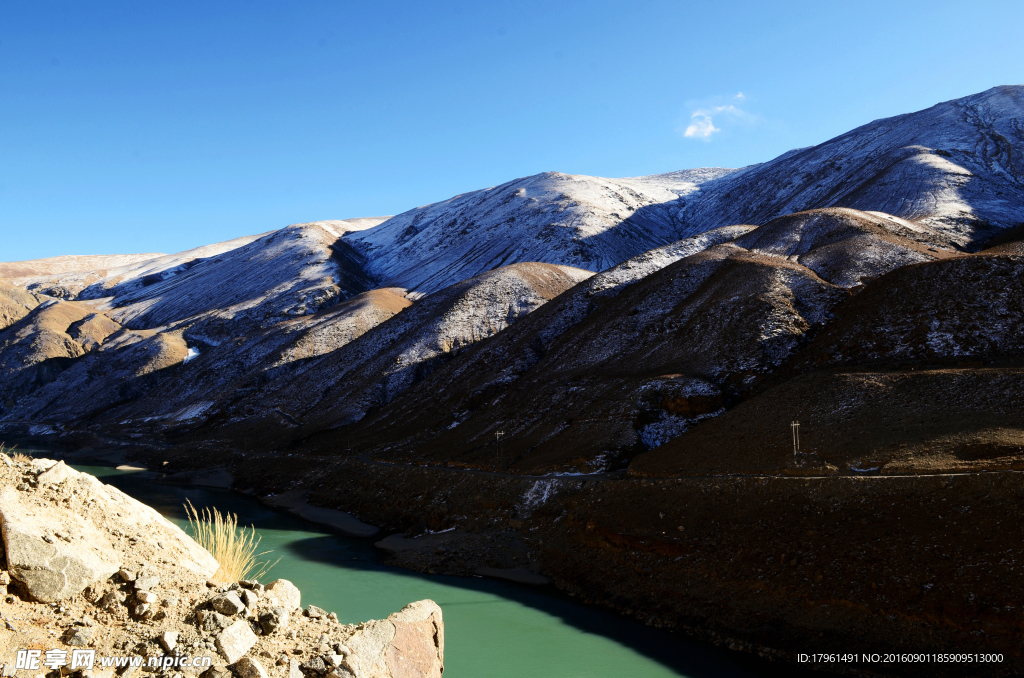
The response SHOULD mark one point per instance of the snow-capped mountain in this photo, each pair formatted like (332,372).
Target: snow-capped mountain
(585,222)
(398,329)
(69,263)
(120,283)
(957,167)
(290,272)
(622,363)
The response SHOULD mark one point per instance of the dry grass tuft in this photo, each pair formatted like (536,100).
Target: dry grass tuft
(16,456)
(234,548)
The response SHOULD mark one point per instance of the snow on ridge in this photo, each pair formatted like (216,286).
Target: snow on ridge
(98,277)
(642,265)
(956,167)
(69,263)
(575,220)
(293,271)
(680,182)
(340,227)
(131,273)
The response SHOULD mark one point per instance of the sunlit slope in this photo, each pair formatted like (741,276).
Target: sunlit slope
(957,167)
(585,222)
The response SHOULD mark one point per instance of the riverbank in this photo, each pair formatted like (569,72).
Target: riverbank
(771,566)
(488,622)
(96,582)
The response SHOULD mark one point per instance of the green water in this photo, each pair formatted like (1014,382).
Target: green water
(493,629)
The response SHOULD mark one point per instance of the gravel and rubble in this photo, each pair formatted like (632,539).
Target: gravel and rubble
(108,574)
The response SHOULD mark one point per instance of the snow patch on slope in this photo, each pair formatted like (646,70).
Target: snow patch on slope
(957,167)
(585,222)
(291,272)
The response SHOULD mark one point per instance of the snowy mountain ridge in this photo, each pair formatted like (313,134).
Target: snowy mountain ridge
(953,173)
(586,222)
(957,167)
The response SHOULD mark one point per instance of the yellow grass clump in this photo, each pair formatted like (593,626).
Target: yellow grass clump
(234,548)
(16,456)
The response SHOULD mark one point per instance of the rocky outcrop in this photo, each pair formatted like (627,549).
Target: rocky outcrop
(54,560)
(62,529)
(84,563)
(395,647)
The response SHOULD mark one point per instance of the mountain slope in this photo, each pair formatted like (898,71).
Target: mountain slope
(49,338)
(955,323)
(580,221)
(91,280)
(957,167)
(216,376)
(123,377)
(130,280)
(118,368)
(291,272)
(345,384)
(593,378)
(70,263)
(15,304)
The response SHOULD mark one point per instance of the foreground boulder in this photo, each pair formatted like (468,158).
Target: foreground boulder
(85,566)
(64,531)
(54,558)
(399,646)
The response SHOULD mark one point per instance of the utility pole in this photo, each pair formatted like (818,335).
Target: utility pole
(796,437)
(498,435)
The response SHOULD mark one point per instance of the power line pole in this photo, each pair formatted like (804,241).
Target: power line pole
(796,437)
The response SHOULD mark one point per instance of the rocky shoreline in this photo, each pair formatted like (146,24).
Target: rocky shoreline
(769,566)
(98,584)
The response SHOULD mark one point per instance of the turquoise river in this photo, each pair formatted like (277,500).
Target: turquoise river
(493,629)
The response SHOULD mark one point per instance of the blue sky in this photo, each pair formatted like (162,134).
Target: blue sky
(159,126)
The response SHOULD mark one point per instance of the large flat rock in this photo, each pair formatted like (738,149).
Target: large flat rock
(408,644)
(67,532)
(54,553)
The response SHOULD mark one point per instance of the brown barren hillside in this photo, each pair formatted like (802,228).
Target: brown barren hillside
(583,391)
(919,372)
(15,303)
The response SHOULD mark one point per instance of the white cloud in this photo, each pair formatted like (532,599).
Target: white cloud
(702,127)
(701,124)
